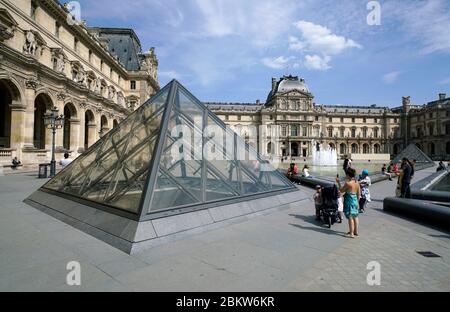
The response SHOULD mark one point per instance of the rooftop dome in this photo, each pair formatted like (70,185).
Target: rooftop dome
(289,83)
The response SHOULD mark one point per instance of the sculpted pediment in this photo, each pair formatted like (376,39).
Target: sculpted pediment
(7,25)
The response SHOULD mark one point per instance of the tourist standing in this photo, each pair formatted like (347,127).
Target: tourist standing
(352,194)
(405,191)
(364,183)
(318,201)
(441,167)
(346,165)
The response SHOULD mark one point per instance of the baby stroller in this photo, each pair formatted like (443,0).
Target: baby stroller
(329,211)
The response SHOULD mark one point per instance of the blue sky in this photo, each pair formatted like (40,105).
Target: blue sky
(228,50)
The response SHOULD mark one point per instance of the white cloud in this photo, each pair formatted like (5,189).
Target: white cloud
(320,39)
(315,62)
(258,21)
(426,22)
(295,44)
(392,77)
(277,62)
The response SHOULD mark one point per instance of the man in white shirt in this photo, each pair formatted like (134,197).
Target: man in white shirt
(66,161)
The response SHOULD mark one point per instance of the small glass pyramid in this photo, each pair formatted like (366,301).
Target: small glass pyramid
(170,154)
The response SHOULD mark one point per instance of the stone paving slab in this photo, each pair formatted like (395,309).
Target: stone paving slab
(284,250)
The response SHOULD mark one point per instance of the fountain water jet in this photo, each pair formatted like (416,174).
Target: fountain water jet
(324,156)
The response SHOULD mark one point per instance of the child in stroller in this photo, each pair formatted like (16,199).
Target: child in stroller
(329,212)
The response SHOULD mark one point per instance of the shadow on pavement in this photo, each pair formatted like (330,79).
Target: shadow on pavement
(317,225)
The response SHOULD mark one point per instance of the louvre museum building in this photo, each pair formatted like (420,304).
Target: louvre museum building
(96,77)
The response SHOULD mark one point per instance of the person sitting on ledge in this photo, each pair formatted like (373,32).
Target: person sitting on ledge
(15,163)
(66,161)
(305,172)
(385,172)
(441,167)
(293,170)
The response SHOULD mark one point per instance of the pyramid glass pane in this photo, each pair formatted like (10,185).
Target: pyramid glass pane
(114,171)
(170,154)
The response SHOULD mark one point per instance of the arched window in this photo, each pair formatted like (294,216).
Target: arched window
(70,113)
(355,149)
(366,149)
(9,94)
(377,149)
(343,149)
(42,103)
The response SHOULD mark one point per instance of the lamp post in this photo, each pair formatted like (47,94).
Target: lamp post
(53,121)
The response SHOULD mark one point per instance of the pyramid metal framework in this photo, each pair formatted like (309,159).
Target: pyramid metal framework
(413,152)
(132,171)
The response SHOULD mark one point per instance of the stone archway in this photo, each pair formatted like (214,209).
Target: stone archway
(42,104)
(9,96)
(396,149)
(355,148)
(115,123)
(89,129)
(70,119)
(294,149)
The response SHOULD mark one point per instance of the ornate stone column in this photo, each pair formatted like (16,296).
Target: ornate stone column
(18,126)
(30,96)
(60,132)
(75,143)
(81,125)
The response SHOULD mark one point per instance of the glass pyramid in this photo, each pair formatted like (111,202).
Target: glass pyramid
(172,153)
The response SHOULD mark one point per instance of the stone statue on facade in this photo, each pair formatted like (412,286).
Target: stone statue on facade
(60,63)
(30,46)
(81,77)
(111,93)
(98,85)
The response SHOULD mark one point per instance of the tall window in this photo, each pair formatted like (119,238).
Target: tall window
(365,133)
(227,118)
(34,8)
(101,65)
(294,131)
(317,118)
(90,56)
(305,131)
(342,133)
(375,132)
(330,132)
(75,44)
(283,130)
(353,133)
(342,119)
(239,117)
(330,119)
(364,120)
(133,85)
(353,120)
(375,120)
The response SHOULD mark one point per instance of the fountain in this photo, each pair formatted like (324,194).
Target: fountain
(324,156)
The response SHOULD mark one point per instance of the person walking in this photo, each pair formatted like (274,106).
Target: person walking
(364,183)
(352,195)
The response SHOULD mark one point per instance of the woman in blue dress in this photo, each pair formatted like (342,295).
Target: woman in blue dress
(352,195)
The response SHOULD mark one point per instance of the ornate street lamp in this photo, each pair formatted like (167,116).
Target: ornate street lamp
(53,121)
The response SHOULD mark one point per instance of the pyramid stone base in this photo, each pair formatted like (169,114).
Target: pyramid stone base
(133,236)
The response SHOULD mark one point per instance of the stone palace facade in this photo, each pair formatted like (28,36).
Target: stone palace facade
(94,76)
(298,123)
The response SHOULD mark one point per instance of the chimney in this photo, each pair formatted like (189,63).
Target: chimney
(274,84)
(442,96)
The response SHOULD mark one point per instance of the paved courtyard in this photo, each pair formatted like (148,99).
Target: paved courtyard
(282,251)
